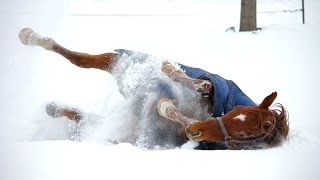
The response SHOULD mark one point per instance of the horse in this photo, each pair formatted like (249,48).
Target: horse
(171,103)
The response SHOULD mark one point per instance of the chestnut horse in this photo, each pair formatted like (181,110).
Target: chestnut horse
(171,107)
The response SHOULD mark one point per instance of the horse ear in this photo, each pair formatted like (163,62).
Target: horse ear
(268,101)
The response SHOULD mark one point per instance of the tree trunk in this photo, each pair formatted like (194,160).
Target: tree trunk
(248,21)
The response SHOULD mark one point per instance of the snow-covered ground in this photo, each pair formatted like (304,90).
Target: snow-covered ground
(282,57)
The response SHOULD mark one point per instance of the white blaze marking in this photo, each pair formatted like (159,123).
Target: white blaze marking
(241,117)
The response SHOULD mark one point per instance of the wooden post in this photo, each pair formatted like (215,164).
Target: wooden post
(248,21)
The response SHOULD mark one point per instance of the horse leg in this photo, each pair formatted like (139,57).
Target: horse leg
(57,111)
(104,61)
(204,87)
(168,110)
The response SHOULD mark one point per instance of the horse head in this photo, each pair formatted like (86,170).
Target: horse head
(245,127)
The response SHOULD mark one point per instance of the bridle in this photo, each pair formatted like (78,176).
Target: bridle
(236,144)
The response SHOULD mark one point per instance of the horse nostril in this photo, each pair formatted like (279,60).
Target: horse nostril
(191,133)
(195,134)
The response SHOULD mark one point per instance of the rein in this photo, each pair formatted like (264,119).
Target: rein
(232,143)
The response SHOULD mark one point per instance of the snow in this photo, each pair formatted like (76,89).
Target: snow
(282,57)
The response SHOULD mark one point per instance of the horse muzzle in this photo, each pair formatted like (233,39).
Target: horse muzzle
(192,135)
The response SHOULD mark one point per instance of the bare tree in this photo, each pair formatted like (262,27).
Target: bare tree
(248,21)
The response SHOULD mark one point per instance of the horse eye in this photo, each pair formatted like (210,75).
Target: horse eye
(241,134)
(267,126)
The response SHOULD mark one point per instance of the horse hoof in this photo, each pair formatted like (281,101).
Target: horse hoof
(53,110)
(24,35)
(163,104)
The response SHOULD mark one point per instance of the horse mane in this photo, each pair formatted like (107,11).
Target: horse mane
(281,129)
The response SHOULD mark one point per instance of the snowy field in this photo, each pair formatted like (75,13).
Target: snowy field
(282,57)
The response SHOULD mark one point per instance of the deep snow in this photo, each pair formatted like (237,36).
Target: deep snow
(283,57)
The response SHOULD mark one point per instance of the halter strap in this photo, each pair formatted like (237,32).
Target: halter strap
(227,137)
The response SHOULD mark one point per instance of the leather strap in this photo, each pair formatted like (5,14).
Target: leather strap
(227,137)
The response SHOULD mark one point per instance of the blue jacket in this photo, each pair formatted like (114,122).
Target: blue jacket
(226,93)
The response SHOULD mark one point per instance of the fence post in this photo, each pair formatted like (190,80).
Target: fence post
(248,17)
(303,21)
